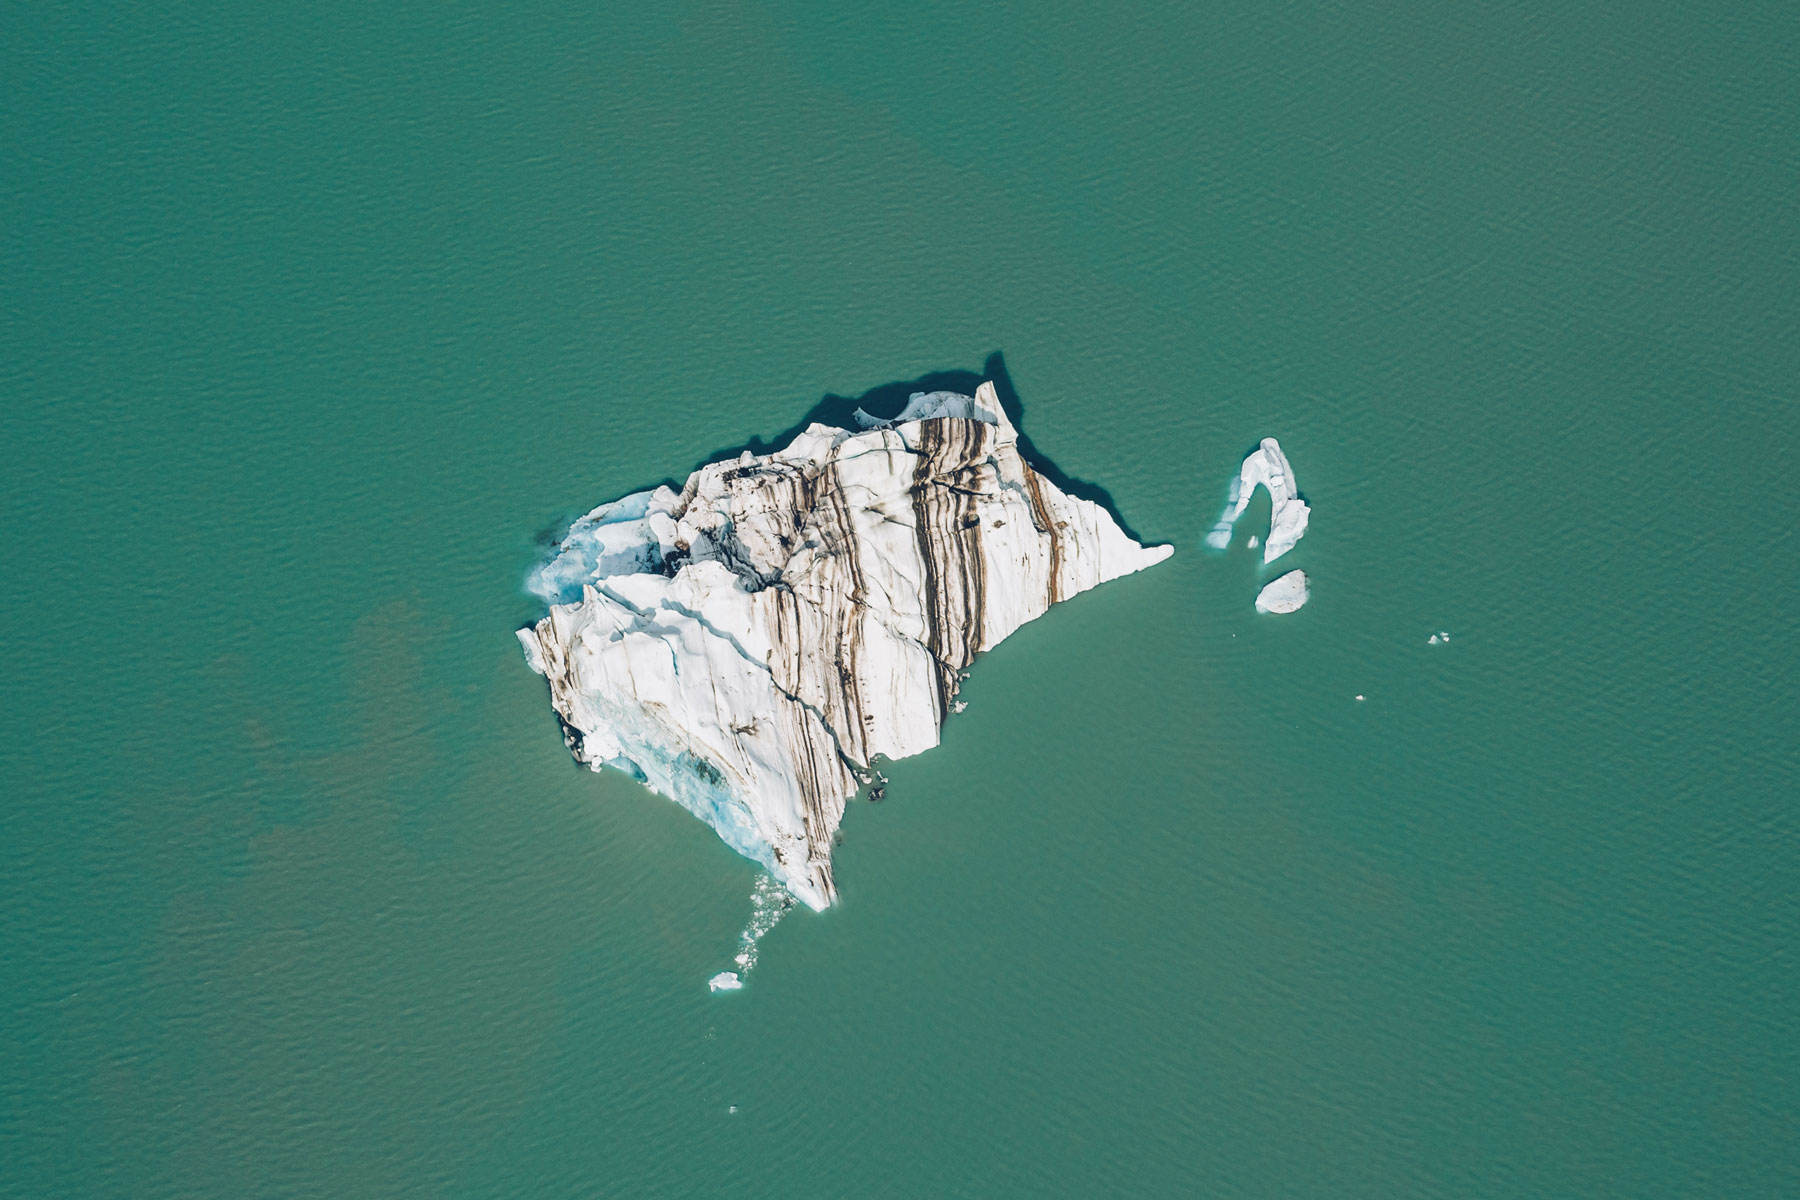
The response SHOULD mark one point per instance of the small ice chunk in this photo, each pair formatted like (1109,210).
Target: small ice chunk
(1360,696)
(1254,542)
(1283,595)
(725,981)
(1265,467)
(1439,637)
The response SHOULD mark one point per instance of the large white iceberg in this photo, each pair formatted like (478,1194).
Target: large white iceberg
(1267,467)
(748,646)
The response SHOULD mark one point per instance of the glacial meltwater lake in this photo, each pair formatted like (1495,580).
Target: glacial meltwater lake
(319,322)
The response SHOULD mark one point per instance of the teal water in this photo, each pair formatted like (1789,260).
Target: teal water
(314,320)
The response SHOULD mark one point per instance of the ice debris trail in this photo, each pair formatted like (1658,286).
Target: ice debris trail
(769,902)
(1267,467)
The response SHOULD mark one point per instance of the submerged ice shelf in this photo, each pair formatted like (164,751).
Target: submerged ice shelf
(749,645)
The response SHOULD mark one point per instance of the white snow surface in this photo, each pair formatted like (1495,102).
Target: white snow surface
(748,646)
(725,981)
(1284,594)
(1266,467)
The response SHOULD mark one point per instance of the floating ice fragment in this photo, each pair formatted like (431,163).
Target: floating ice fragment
(1359,695)
(1266,467)
(1436,638)
(725,981)
(1283,595)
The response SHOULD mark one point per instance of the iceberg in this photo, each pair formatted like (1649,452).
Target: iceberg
(750,645)
(1284,594)
(725,981)
(1265,467)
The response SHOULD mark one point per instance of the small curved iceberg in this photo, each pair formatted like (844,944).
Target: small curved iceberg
(1266,467)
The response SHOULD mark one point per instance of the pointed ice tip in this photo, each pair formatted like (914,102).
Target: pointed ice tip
(988,407)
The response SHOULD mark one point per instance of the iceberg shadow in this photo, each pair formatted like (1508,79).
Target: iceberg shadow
(887,400)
